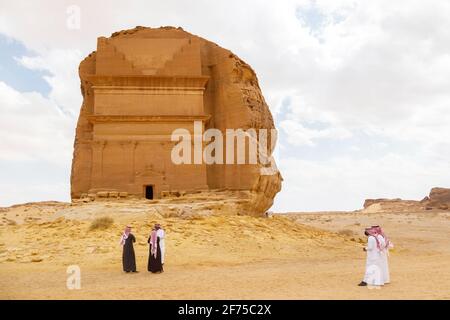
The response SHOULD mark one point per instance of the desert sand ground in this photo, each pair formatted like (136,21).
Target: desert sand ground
(293,256)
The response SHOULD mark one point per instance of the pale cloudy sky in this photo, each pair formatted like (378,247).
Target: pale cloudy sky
(360,90)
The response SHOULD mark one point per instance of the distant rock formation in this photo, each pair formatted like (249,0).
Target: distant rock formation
(391,205)
(369,202)
(439,198)
(139,86)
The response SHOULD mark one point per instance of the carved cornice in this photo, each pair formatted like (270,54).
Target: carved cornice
(145,81)
(134,118)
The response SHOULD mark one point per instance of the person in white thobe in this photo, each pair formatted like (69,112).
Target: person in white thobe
(373,275)
(387,244)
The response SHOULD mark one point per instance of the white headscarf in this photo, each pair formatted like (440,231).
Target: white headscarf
(125,235)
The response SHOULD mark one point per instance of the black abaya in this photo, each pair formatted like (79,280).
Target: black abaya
(128,257)
(154,264)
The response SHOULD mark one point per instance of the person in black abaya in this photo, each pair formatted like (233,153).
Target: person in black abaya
(128,256)
(154,259)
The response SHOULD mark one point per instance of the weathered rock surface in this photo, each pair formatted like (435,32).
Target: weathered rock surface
(392,205)
(439,198)
(139,86)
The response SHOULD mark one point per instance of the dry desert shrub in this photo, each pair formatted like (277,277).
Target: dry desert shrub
(346,232)
(11,222)
(101,223)
(196,217)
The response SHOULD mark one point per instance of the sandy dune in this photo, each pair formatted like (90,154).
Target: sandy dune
(294,256)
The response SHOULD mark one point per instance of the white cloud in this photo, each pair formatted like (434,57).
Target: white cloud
(342,183)
(32,128)
(297,134)
(23,192)
(372,74)
(35,144)
(62,65)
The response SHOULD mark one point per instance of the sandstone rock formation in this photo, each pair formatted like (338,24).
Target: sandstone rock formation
(391,205)
(139,86)
(439,198)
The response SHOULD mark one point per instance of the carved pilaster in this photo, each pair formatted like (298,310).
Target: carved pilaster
(97,161)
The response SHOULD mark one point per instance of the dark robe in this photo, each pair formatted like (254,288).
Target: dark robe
(154,264)
(128,257)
